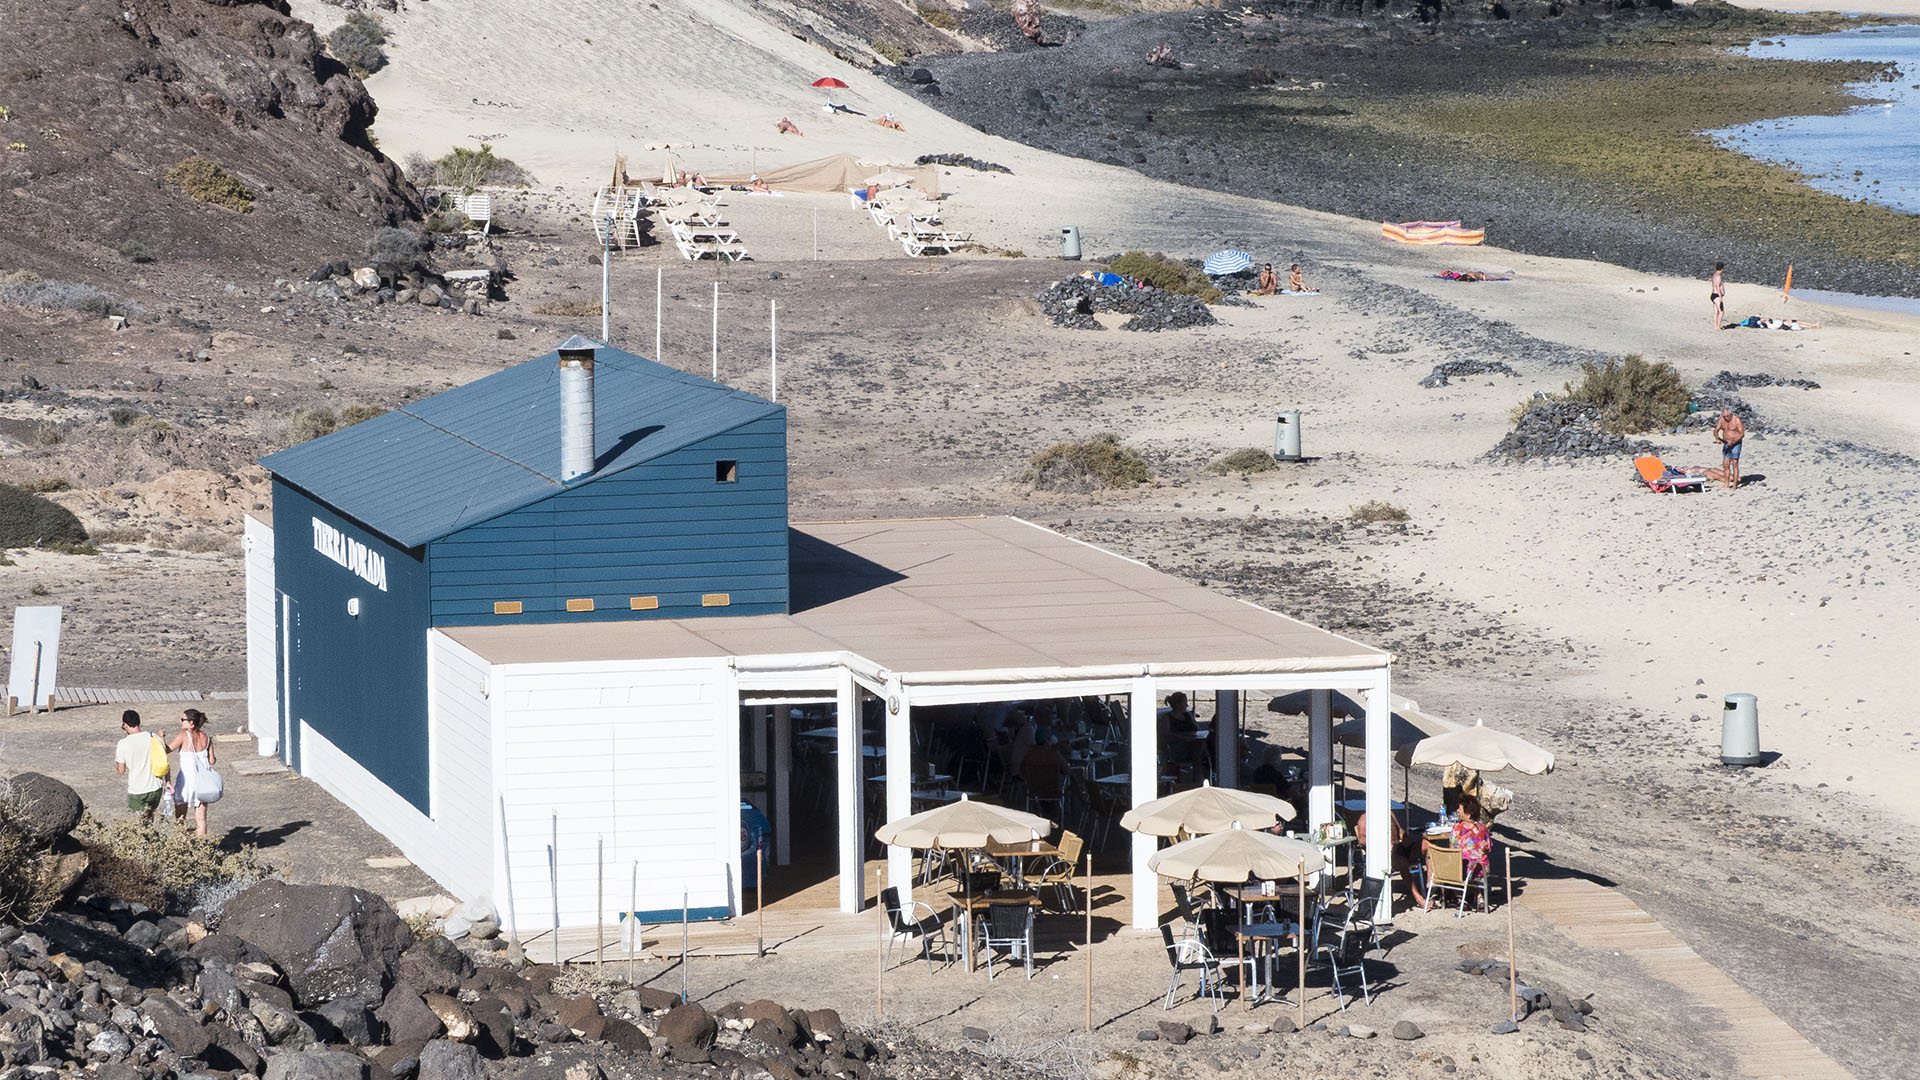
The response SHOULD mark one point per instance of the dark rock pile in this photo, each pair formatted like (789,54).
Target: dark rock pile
(1706,411)
(1728,380)
(466,290)
(1568,1011)
(1563,429)
(1454,369)
(962,161)
(1071,303)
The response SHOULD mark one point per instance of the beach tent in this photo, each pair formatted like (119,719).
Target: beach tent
(1432,232)
(837,174)
(1227,262)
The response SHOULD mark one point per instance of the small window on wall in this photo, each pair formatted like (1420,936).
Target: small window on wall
(726,472)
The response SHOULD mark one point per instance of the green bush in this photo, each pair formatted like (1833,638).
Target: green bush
(937,16)
(27,520)
(1166,273)
(208,182)
(164,865)
(1633,395)
(354,414)
(1249,460)
(309,424)
(467,170)
(356,43)
(1378,511)
(1089,465)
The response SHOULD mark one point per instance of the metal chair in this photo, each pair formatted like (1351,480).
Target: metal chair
(1191,954)
(1347,955)
(1010,926)
(904,925)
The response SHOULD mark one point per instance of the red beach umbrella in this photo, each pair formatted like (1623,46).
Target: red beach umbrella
(830,83)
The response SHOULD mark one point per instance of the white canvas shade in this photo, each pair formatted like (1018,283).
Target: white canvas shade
(1480,747)
(1236,855)
(963,824)
(1206,809)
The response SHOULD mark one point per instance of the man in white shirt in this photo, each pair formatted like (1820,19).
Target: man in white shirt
(133,759)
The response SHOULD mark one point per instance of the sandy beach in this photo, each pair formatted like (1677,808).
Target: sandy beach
(1557,599)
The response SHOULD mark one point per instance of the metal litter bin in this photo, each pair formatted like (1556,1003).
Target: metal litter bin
(1070,242)
(1740,730)
(1286,436)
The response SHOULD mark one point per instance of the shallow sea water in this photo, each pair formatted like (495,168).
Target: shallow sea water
(1880,141)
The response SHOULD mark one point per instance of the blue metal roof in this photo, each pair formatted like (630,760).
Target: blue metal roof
(492,446)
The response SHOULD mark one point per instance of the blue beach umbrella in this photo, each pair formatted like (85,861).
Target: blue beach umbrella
(1226,262)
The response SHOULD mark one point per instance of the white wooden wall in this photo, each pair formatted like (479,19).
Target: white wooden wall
(263,679)
(640,758)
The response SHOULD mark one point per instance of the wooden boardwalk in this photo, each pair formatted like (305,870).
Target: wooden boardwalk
(99,695)
(1597,917)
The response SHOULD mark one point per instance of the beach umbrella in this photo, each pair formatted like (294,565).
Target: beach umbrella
(1480,747)
(889,178)
(830,83)
(1206,809)
(1229,261)
(1236,855)
(964,824)
(1406,727)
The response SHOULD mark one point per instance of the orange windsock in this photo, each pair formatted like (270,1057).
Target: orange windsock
(1788,287)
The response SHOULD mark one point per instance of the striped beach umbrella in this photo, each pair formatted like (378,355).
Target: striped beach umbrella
(1229,261)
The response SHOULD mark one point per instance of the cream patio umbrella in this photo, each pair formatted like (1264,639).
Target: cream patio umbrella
(890,178)
(1480,747)
(963,825)
(1406,727)
(1206,809)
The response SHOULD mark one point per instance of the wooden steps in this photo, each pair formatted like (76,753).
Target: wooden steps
(1597,917)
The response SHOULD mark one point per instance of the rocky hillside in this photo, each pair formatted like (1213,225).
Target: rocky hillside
(101,99)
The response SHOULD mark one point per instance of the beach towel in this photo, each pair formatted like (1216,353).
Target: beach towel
(1432,232)
(1455,275)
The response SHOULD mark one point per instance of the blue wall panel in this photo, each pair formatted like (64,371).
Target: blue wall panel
(360,680)
(665,528)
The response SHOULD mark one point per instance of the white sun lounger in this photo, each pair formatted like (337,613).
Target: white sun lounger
(479,210)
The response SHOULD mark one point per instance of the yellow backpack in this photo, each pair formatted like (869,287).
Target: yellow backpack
(156,755)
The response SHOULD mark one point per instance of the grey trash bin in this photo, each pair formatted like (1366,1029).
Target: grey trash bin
(1740,730)
(1286,436)
(1070,242)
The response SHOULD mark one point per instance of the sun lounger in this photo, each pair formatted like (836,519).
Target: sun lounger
(692,214)
(916,239)
(1658,477)
(697,241)
(479,210)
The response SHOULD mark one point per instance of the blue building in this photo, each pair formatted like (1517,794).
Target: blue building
(464,509)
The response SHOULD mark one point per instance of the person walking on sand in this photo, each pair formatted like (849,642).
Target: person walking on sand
(1718,284)
(133,759)
(1730,433)
(195,779)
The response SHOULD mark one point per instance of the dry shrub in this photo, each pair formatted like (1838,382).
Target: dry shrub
(27,885)
(1249,460)
(202,541)
(1170,274)
(27,520)
(31,290)
(1633,395)
(310,424)
(119,534)
(1089,465)
(121,415)
(354,414)
(356,43)
(570,307)
(1377,511)
(889,51)
(42,485)
(164,865)
(467,170)
(206,181)
(937,16)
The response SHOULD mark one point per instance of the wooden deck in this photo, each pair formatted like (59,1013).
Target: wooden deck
(1601,918)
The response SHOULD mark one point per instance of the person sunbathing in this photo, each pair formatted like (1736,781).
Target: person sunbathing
(886,120)
(1269,282)
(1296,282)
(759,186)
(1464,275)
(786,127)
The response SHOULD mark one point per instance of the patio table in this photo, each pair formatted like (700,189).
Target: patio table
(1265,937)
(1018,854)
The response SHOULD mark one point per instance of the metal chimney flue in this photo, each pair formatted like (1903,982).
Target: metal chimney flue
(576,408)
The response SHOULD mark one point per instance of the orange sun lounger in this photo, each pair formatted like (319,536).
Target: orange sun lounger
(1658,477)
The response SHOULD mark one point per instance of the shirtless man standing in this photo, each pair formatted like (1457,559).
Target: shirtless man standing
(1730,433)
(1718,285)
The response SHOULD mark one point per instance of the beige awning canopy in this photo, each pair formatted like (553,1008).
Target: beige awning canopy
(838,174)
(1237,855)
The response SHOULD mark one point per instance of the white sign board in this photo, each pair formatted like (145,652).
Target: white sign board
(36,655)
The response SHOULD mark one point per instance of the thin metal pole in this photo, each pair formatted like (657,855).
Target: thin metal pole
(880,954)
(1513,977)
(1300,930)
(1240,947)
(553,883)
(773,350)
(760,898)
(657,292)
(599,902)
(633,918)
(1089,942)
(683,945)
(606,285)
(506,863)
(716,331)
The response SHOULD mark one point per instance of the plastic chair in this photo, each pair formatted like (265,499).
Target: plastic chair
(904,925)
(1010,926)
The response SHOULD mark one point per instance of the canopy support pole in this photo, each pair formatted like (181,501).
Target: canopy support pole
(1379,769)
(1226,738)
(1144,742)
(783,785)
(899,784)
(1320,757)
(853,863)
